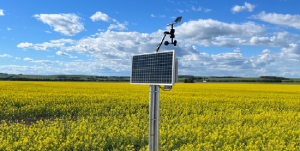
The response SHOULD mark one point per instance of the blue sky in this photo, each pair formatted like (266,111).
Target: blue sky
(215,38)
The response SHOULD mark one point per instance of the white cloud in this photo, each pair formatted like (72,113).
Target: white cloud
(204,32)
(66,24)
(118,26)
(222,64)
(196,9)
(207,10)
(100,16)
(293,48)
(44,46)
(48,31)
(5,55)
(1,12)
(50,56)
(266,51)
(162,16)
(25,45)
(28,59)
(237,50)
(153,15)
(18,58)
(180,10)
(114,49)
(60,53)
(263,59)
(44,62)
(111,51)
(224,41)
(8,28)
(227,64)
(280,19)
(238,8)
(280,39)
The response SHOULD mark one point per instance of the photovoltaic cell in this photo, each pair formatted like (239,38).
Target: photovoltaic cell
(154,68)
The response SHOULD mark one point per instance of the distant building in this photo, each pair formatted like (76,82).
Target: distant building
(204,81)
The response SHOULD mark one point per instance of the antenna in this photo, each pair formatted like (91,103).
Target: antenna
(171,33)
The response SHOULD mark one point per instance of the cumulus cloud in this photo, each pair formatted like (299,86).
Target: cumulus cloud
(66,24)
(44,46)
(104,17)
(1,12)
(18,58)
(237,50)
(111,51)
(279,19)
(8,28)
(60,53)
(222,64)
(118,26)
(266,51)
(100,16)
(228,64)
(279,39)
(293,48)
(5,55)
(247,7)
(25,45)
(264,59)
(48,31)
(212,32)
(115,48)
(28,59)
(153,15)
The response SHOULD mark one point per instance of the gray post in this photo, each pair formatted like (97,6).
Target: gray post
(153,117)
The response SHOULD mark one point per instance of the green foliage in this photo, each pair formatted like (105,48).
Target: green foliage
(189,80)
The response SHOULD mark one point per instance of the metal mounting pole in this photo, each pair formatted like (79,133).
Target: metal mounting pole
(158,46)
(153,117)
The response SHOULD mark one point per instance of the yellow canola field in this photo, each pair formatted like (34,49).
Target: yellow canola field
(114,116)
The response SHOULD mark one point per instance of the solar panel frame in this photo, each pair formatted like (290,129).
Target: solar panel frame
(173,76)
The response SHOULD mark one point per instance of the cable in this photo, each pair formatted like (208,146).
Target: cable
(165,89)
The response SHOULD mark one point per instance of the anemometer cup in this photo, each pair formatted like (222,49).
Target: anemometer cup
(166,43)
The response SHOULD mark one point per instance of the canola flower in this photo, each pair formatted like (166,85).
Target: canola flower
(114,116)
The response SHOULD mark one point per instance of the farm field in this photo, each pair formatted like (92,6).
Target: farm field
(115,116)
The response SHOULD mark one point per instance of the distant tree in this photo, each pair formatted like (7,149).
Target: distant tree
(190,80)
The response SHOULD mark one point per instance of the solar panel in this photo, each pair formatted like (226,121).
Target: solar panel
(154,68)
